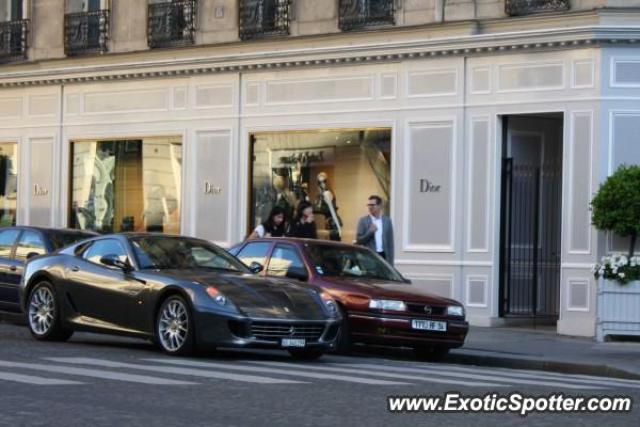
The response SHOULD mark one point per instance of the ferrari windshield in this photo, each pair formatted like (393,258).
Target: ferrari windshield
(345,261)
(166,252)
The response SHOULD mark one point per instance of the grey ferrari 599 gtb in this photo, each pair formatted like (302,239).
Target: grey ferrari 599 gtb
(182,293)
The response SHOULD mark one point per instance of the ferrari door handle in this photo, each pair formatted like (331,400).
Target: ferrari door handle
(75,268)
(13,268)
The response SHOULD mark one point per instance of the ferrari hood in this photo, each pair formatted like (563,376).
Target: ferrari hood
(259,297)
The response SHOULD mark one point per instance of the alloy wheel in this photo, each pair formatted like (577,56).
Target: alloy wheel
(41,310)
(173,325)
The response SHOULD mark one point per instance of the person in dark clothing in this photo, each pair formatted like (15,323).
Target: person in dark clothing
(304,225)
(274,226)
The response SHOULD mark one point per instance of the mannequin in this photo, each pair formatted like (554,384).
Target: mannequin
(326,204)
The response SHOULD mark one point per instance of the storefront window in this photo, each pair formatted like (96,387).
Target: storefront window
(334,171)
(127,185)
(8,183)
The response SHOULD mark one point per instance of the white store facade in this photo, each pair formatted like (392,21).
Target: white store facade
(563,104)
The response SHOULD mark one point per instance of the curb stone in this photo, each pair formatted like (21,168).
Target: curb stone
(474,358)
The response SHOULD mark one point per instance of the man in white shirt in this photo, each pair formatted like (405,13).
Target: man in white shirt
(375,230)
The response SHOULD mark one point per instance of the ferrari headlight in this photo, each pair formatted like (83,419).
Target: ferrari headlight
(329,303)
(385,304)
(216,295)
(455,310)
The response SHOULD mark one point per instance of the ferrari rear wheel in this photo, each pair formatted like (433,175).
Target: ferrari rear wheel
(307,353)
(43,314)
(174,327)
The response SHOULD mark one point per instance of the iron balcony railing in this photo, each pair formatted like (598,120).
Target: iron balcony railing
(358,14)
(13,40)
(86,32)
(172,23)
(526,7)
(260,18)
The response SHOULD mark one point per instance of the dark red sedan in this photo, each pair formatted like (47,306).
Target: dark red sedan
(378,305)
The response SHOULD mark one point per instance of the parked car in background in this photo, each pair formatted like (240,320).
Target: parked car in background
(180,292)
(378,305)
(17,245)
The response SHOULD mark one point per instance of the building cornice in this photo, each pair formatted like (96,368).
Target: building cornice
(466,41)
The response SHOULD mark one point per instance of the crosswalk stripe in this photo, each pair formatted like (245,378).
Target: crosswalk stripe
(499,377)
(584,379)
(93,373)
(292,372)
(527,373)
(374,373)
(173,370)
(29,379)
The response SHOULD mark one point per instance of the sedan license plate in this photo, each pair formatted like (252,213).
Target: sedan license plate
(293,342)
(429,325)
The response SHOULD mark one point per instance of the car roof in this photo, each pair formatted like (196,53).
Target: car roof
(49,229)
(304,241)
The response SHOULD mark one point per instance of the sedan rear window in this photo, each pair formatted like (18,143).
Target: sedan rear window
(61,239)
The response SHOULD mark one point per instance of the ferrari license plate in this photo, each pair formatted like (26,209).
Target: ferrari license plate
(429,325)
(293,342)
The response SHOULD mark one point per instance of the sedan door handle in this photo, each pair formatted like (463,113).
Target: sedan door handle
(75,268)
(13,268)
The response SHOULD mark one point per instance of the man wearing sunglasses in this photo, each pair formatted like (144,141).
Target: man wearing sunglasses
(375,230)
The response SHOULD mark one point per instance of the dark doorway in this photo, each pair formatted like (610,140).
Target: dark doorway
(531,215)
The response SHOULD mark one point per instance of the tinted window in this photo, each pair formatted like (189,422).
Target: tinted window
(30,241)
(164,252)
(285,259)
(350,262)
(254,252)
(104,247)
(62,239)
(7,239)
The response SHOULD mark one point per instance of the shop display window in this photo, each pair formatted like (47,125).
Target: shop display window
(8,183)
(127,185)
(333,170)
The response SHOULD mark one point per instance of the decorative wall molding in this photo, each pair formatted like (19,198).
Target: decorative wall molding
(478,44)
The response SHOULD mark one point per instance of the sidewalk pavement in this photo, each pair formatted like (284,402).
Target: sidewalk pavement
(544,349)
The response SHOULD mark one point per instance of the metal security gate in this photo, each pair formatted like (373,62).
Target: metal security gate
(530,239)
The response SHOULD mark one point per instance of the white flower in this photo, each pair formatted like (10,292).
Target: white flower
(614,270)
(621,275)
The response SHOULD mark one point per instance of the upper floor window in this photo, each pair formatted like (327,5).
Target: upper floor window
(14,28)
(259,18)
(86,27)
(357,14)
(171,22)
(525,7)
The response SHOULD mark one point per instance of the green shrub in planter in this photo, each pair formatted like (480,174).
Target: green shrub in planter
(618,267)
(616,208)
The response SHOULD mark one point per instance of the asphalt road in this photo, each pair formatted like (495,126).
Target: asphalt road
(96,380)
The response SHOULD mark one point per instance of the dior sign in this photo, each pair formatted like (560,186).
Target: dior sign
(212,190)
(427,186)
(39,191)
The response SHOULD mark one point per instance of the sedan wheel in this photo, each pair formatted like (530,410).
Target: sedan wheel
(175,327)
(43,314)
(343,342)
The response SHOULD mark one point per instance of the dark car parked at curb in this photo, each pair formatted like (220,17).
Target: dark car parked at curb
(377,304)
(19,244)
(182,293)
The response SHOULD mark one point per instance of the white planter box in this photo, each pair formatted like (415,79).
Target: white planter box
(618,309)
